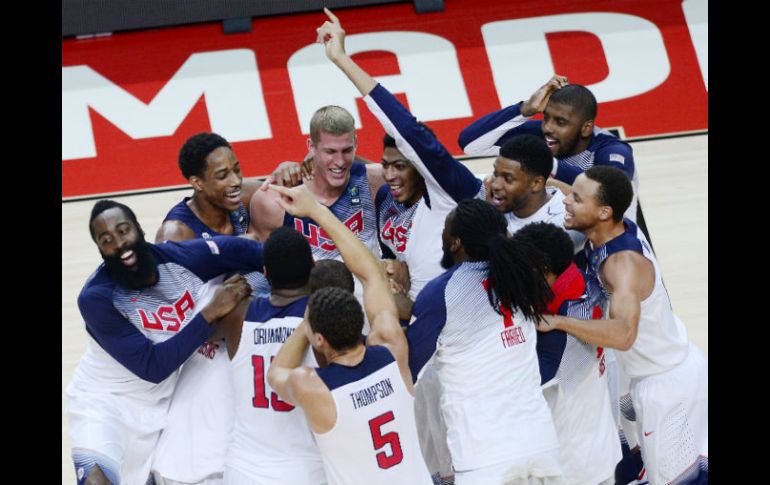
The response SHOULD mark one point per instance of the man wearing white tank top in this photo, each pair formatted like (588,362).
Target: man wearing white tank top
(361,406)
(669,385)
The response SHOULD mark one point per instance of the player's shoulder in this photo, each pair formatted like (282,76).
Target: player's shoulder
(98,287)
(605,143)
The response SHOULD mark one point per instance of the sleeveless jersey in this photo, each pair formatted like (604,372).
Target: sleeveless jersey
(374,440)
(271,441)
(182,213)
(661,340)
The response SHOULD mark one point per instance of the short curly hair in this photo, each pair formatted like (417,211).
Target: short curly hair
(337,315)
(192,155)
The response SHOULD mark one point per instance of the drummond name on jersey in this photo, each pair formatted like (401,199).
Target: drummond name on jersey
(272,335)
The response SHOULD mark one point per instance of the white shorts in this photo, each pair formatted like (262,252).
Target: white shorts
(431,427)
(589,448)
(672,418)
(538,469)
(212,480)
(116,432)
(299,476)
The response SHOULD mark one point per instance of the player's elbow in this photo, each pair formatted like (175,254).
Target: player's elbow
(464,139)
(627,339)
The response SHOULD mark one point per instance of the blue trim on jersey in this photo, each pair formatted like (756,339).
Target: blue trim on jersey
(430,315)
(85,460)
(208,258)
(493,120)
(154,362)
(603,149)
(181,212)
(454,177)
(261,310)
(375,358)
(550,350)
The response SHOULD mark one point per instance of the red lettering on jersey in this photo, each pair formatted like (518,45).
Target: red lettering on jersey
(395,234)
(311,235)
(599,351)
(507,313)
(597,313)
(208,349)
(327,244)
(146,323)
(163,313)
(318,238)
(184,305)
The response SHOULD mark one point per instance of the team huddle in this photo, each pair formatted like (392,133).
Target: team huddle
(401,322)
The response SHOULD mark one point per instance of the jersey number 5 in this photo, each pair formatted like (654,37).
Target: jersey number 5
(380,440)
(260,399)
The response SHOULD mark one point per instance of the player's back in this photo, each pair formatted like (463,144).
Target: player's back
(374,439)
(488,368)
(271,441)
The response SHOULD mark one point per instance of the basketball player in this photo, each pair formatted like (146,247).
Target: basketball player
(568,128)
(144,319)
(423,184)
(478,319)
(271,441)
(191,448)
(669,385)
(573,372)
(360,407)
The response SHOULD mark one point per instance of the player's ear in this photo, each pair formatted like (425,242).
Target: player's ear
(196,183)
(587,129)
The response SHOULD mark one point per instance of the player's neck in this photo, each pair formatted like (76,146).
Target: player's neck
(534,204)
(603,233)
(284,297)
(325,193)
(347,357)
(212,216)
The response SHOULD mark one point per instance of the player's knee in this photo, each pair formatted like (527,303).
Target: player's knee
(96,477)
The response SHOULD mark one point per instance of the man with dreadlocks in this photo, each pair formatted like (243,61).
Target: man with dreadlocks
(479,320)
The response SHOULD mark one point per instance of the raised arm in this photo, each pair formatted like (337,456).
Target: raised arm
(378,300)
(487,134)
(629,277)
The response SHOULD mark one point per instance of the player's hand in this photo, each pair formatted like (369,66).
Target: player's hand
(297,201)
(332,36)
(539,99)
(397,273)
(548,323)
(227,296)
(289,174)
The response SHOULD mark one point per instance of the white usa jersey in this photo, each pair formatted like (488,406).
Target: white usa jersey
(552,212)
(486,362)
(661,340)
(271,441)
(140,338)
(374,440)
(413,234)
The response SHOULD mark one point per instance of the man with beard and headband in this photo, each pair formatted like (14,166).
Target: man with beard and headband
(478,318)
(568,128)
(144,319)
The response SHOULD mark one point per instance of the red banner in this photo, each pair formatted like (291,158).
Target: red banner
(130,100)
